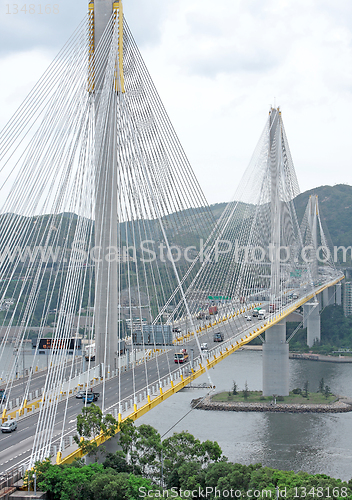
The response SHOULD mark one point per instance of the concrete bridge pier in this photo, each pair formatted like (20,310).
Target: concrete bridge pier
(311,321)
(329,296)
(338,299)
(275,361)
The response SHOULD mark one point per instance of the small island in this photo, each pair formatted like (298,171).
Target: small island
(297,401)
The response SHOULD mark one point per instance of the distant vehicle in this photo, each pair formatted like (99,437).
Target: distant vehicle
(207,317)
(9,426)
(272,308)
(2,395)
(204,346)
(89,352)
(181,357)
(80,394)
(91,396)
(255,313)
(295,296)
(176,330)
(213,310)
(200,315)
(218,337)
(262,314)
(248,318)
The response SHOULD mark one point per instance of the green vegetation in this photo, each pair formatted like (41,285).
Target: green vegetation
(294,397)
(336,333)
(180,466)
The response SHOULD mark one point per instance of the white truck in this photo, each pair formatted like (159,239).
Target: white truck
(262,314)
(89,352)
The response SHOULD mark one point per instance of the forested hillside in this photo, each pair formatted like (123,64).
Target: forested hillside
(335,204)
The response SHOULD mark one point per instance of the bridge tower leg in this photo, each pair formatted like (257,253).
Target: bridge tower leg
(311,321)
(275,361)
(106,203)
(312,220)
(275,348)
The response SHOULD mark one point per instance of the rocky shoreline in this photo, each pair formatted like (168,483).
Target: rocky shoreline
(207,404)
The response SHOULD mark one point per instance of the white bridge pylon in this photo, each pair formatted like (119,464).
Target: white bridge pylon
(99,199)
(261,254)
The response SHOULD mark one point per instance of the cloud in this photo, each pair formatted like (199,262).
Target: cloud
(218,67)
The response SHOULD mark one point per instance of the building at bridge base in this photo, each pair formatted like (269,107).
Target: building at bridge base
(275,361)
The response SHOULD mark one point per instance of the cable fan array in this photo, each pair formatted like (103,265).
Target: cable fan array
(52,155)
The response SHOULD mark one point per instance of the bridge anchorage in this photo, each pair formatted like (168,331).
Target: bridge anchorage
(105,234)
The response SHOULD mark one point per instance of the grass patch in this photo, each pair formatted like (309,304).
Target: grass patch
(257,397)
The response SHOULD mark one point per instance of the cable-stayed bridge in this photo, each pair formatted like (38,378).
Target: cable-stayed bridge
(104,227)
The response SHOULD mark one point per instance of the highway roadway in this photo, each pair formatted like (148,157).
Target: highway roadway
(38,380)
(15,448)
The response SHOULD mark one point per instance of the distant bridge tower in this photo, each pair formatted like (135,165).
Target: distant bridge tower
(105,96)
(311,310)
(275,348)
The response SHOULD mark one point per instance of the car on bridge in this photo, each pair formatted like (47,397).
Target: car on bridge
(9,426)
(181,357)
(80,394)
(204,346)
(218,337)
(91,397)
(248,318)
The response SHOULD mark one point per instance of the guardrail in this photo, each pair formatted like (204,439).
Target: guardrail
(9,479)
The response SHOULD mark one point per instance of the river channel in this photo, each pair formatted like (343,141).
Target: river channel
(315,443)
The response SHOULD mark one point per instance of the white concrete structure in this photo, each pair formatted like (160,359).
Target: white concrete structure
(275,361)
(311,321)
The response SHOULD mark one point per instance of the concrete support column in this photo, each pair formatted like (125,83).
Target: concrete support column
(275,361)
(328,296)
(311,321)
(338,294)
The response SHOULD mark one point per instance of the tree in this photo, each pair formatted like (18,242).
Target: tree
(234,388)
(90,423)
(245,391)
(183,448)
(321,386)
(66,482)
(110,485)
(327,391)
(149,448)
(118,462)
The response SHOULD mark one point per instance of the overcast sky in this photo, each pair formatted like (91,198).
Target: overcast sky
(218,67)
